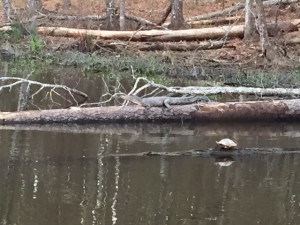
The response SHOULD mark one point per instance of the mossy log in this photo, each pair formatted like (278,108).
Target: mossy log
(280,110)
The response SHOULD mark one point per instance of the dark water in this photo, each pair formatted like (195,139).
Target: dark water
(67,175)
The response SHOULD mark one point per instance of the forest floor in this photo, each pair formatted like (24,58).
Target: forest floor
(235,51)
(235,54)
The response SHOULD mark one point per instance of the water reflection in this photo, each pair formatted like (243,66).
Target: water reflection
(66,175)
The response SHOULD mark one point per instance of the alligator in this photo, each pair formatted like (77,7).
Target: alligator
(163,101)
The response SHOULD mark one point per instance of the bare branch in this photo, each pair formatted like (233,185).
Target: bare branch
(54,88)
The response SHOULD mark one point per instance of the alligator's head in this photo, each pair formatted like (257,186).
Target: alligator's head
(132,98)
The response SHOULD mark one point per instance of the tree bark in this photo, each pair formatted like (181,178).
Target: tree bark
(111,20)
(34,5)
(284,110)
(249,20)
(177,15)
(7,10)
(261,27)
(122,14)
(67,4)
(166,14)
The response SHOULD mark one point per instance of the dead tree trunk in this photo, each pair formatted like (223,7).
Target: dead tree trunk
(177,15)
(249,31)
(122,14)
(67,4)
(261,27)
(7,10)
(34,5)
(111,20)
(284,110)
(166,14)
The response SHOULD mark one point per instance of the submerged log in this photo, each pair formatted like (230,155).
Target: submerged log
(214,152)
(280,110)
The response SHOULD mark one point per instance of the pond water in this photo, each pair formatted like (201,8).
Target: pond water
(55,175)
(73,175)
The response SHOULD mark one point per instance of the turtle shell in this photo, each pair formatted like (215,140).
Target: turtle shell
(226,143)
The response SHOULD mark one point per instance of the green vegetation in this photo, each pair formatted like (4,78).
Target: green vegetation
(35,43)
(16,33)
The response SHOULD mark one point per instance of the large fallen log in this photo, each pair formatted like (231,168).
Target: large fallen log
(147,35)
(162,35)
(283,110)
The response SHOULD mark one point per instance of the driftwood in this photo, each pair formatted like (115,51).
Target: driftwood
(158,35)
(283,110)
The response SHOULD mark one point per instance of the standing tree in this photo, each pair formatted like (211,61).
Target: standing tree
(255,22)
(111,21)
(177,19)
(67,4)
(7,10)
(262,27)
(34,5)
(250,29)
(122,14)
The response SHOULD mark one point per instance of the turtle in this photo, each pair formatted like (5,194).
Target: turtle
(226,144)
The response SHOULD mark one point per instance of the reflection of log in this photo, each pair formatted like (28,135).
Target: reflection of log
(155,35)
(181,46)
(205,112)
(267,131)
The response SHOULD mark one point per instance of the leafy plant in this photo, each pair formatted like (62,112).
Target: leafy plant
(35,43)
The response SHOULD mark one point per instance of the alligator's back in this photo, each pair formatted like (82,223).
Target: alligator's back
(157,101)
(166,101)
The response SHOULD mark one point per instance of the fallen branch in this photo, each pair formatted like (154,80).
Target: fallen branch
(53,89)
(218,21)
(229,10)
(72,17)
(163,46)
(143,21)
